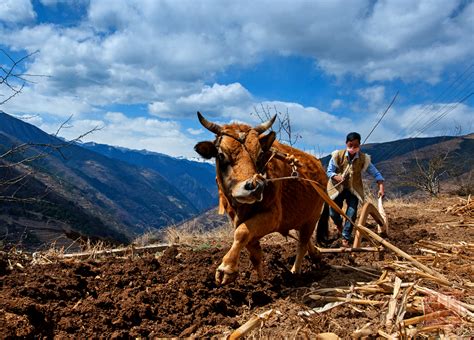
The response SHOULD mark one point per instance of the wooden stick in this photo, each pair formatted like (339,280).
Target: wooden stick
(253,323)
(386,335)
(365,331)
(383,215)
(403,303)
(370,233)
(426,317)
(392,305)
(424,275)
(382,277)
(356,269)
(367,210)
(118,251)
(346,290)
(350,250)
(343,299)
(413,332)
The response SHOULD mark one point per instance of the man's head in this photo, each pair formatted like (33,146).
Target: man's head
(353,143)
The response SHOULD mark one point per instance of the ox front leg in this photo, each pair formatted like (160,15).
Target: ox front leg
(247,235)
(228,270)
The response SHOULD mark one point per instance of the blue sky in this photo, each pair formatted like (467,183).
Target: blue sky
(141,69)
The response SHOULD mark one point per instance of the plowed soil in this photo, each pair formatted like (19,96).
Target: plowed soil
(173,293)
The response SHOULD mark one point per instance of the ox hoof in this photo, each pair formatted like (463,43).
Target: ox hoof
(223,278)
(295,270)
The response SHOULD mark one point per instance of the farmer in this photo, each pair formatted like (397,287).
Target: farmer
(345,173)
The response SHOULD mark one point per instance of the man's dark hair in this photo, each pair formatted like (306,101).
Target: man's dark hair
(352,136)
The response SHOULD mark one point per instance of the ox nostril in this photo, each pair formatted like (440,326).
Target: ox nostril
(249,186)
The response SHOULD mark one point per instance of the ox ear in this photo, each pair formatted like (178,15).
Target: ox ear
(206,149)
(267,140)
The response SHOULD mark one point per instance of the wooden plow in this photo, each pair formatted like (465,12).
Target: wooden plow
(379,216)
(361,230)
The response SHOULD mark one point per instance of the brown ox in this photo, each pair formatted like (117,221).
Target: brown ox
(244,163)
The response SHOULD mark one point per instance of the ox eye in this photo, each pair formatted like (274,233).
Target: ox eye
(223,161)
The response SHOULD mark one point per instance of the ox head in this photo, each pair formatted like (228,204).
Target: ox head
(240,155)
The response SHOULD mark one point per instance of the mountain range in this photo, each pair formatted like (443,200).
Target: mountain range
(195,180)
(56,191)
(72,192)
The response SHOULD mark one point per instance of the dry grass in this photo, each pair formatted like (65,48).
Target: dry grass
(198,236)
(465,207)
(191,233)
(197,233)
(54,253)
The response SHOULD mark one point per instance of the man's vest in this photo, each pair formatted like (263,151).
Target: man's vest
(351,172)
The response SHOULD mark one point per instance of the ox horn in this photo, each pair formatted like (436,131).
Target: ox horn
(265,126)
(213,127)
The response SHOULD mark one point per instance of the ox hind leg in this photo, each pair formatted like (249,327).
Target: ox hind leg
(256,256)
(305,245)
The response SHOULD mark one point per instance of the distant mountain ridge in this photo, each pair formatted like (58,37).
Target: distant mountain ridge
(83,193)
(195,180)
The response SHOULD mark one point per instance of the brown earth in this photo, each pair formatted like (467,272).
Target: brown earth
(174,294)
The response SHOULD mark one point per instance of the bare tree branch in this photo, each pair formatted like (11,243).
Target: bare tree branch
(20,162)
(283,127)
(427,175)
(8,72)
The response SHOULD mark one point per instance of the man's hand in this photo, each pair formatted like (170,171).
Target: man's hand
(381,192)
(338,178)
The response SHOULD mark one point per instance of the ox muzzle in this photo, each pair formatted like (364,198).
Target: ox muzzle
(249,191)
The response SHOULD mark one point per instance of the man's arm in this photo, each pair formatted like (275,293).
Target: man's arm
(331,171)
(332,168)
(378,177)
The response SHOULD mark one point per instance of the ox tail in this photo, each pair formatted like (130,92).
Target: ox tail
(322,229)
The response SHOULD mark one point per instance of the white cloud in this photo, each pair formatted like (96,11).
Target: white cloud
(145,133)
(374,97)
(159,108)
(215,99)
(52,3)
(134,133)
(408,40)
(431,120)
(194,132)
(149,51)
(16,11)
(164,55)
(321,131)
(336,103)
(30,102)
